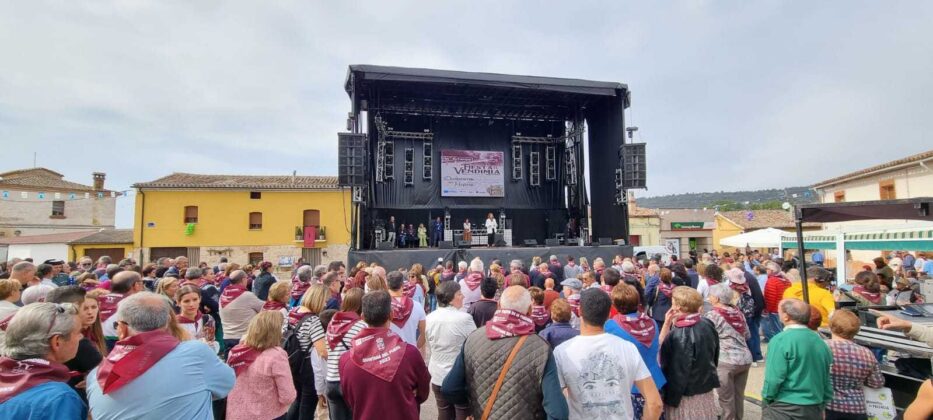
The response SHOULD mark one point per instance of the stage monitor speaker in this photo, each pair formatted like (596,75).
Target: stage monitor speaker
(463,244)
(530,242)
(499,242)
(605,241)
(446,244)
(351,159)
(552,242)
(385,246)
(573,241)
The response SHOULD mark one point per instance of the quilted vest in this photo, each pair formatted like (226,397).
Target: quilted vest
(520,396)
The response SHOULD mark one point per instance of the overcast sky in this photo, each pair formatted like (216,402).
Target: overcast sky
(727,94)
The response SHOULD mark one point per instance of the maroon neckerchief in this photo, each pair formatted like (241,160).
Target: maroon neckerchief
(241,357)
(710,282)
(740,288)
(339,325)
(204,282)
(89,334)
(870,296)
(409,289)
(299,288)
(734,317)
(18,376)
(108,305)
(230,294)
(294,317)
(401,310)
(606,288)
(473,280)
(687,321)
(273,305)
(447,275)
(185,320)
(5,322)
(508,323)
(666,289)
(378,351)
(574,301)
(638,325)
(539,315)
(132,357)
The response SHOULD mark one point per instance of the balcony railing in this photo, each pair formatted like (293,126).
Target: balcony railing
(300,233)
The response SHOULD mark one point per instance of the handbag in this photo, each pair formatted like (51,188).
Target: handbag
(505,369)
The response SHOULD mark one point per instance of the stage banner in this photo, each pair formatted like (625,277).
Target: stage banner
(469,173)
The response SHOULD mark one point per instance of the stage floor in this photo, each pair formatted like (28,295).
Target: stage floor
(428,257)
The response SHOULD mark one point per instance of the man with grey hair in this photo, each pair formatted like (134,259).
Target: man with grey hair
(124,284)
(152,374)
(24,272)
(461,271)
(469,285)
(304,276)
(515,271)
(507,343)
(237,308)
(797,384)
(33,378)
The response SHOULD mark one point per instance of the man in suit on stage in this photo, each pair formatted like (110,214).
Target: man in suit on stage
(437,232)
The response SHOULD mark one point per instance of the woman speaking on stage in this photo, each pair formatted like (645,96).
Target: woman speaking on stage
(491,227)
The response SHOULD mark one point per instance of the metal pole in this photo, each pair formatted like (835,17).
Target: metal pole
(803,259)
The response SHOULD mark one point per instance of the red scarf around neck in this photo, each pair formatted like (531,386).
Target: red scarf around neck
(687,320)
(273,305)
(379,352)
(409,289)
(872,297)
(740,288)
(204,282)
(508,323)
(639,326)
(666,289)
(132,357)
(18,376)
(108,305)
(182,319)
(711,282)
(230,294)
(401,310)
(298,288)
(540,315)
(574,301)
(294,317)
(733,317)
(606,288)
(339,326)
(473,280)
(241,357)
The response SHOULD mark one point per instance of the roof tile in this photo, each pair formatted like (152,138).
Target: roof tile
(919,157)
(258,182)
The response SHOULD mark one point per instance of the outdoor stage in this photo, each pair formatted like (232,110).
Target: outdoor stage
(428,257)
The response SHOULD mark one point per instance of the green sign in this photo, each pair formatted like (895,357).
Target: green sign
(686,225)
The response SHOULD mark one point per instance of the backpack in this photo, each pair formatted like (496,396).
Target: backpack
(298,358)
(746,304)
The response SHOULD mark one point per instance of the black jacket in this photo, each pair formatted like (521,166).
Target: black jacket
(688,359)
(757,296)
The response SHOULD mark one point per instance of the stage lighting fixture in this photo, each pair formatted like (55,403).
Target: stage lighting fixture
(534,168)
(427,162)
(550,163)
(517,168)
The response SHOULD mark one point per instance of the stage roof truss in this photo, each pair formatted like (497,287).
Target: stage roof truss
(572,136)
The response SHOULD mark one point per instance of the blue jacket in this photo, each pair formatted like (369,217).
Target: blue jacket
(557,333)
(648,354)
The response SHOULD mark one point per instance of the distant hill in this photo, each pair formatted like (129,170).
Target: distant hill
(730,200)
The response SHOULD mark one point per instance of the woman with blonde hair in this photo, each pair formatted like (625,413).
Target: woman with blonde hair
(585,264)
(168,287)
(279,293)
(310,334)
(260,364)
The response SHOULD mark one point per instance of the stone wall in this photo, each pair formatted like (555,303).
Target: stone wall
(33,216)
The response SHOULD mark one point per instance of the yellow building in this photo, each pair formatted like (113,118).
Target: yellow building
(114,243)
(731,223)
(644,226)
(247,219)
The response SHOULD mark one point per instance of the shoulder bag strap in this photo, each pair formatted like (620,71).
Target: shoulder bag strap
(505,369)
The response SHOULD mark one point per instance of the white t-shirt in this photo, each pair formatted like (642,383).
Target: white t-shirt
(598,372)
(409,332)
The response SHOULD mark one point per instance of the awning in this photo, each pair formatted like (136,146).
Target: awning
(762,238)
(920,239)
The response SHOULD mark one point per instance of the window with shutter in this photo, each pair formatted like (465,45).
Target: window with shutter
(191,214)
(255,220)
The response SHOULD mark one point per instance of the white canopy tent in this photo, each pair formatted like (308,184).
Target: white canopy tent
(761,238)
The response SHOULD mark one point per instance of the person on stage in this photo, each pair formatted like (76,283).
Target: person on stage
(390,230)
(402,236)
(412,235)
(491,227)
(467,231)
(422,236)
(437,232)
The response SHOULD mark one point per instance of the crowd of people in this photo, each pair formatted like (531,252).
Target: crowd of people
(555,338)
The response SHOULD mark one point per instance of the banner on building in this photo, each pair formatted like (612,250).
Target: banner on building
(310,236)
(470,173)
(673,246)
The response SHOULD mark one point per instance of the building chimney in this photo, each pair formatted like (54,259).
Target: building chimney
(99,181)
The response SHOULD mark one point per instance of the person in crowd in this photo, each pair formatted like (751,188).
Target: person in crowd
(559,330)
(854,367)
(237,307)
(89,354)
(278,299)
(922,407)
(331,282)
(448,274)
(462,272)
(447,329)
(310,337)
(91,326)
(550,295)
(9,295)
(39,339)
(515,272)
(867,290)
(598,267)
(543,273)
(905,291)
(588,280)
(44,273)
(300,283)
(228,269)
(264,281)
(884,271)
(482,310)
(495,273)
(692,274)
(530,387)
(572,290)
(149,278)
(87,281)
(342,329)
(123,285)
(470,285)
(556,268)
(658,296)
(821,298)
(775,286)
(210,294)
(797,383)
(637,328)
(381,367)
(598,370)
(734,357)
(713,276)
(168,286)
(690,380)
(259,363)
(408,318)
(585,265)
(199,325)
(59,277)
(413,287)
(539,313)
(571,269)
(150,373)
(679,275)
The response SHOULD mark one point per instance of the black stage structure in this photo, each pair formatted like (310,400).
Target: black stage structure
(401,120)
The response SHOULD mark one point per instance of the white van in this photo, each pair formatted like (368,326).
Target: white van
(646,252)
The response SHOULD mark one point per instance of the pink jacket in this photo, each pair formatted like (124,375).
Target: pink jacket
(264,390)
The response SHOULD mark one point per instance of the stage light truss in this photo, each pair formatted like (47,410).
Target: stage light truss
(517,168)
(550,163)
(380,161)
(409,166)
(534,169)
(519,138)
(389,158)
(570,160)
(620,192)
(427,162)
(358,196)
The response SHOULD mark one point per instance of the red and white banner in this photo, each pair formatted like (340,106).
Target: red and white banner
(468,173)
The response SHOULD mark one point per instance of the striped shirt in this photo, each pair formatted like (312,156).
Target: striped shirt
(309,332)
(333,355)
